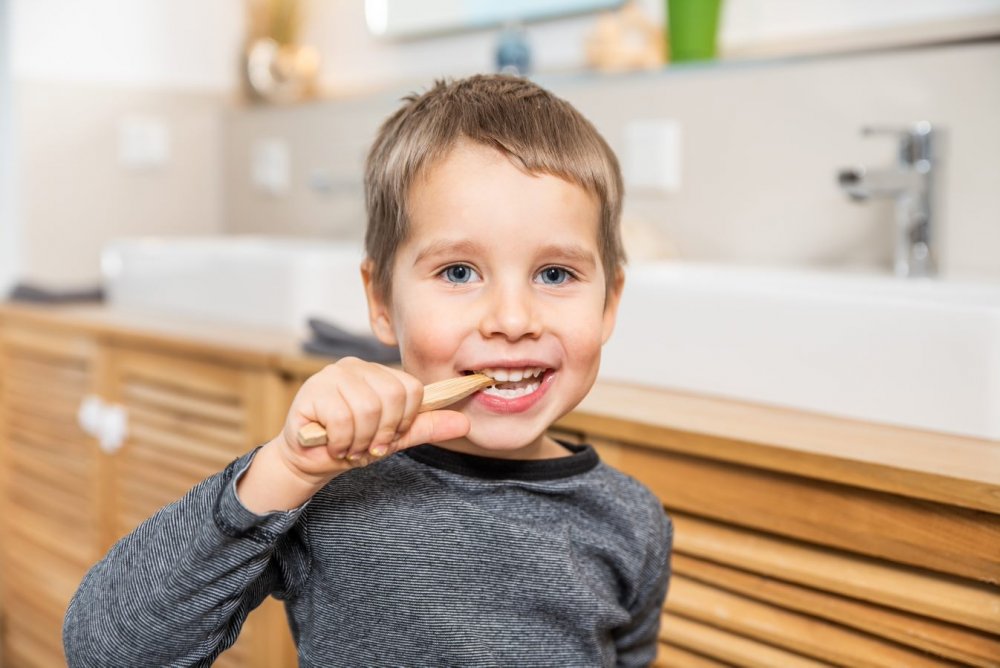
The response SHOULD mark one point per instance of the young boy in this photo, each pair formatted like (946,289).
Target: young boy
(458,537)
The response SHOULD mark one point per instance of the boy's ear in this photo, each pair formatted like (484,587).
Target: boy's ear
(611,306)
(379,314)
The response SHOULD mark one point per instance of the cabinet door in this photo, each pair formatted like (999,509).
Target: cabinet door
(51,471)
(187,419)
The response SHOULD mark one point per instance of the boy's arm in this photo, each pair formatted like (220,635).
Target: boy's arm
(178,588)
(636,643)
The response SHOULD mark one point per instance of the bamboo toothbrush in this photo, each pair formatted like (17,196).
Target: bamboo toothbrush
(436,395)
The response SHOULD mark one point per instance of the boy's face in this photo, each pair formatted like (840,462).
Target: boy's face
(501,271)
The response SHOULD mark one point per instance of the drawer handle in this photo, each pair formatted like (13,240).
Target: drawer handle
(114,428)
(89,414)
(108,423)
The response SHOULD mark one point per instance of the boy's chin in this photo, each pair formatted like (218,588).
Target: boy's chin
(500,441)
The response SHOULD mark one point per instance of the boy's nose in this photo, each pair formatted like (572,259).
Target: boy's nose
(511,313)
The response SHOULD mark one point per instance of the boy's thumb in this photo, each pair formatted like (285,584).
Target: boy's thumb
(434,426)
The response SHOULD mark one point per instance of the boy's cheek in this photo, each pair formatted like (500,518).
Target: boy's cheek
(425,347)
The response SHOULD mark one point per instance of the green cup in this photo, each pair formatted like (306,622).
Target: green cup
(693,27)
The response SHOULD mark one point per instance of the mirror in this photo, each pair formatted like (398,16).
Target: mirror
(405,18)
(750,29)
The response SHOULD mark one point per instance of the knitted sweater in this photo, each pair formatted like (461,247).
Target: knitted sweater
(427,558)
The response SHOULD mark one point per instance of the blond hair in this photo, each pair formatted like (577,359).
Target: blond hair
(536,130)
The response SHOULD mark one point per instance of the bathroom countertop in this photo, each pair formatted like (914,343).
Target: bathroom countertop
(920,464)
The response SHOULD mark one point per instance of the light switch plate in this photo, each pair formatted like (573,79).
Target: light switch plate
(652,158)
(271,166)
(143,142)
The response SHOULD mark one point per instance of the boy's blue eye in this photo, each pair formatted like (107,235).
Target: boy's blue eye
(459,273)
(554,275)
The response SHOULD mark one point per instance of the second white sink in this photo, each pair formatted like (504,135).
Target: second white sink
(916,353)
(243,280)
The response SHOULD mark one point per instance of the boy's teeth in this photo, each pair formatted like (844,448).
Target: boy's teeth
(504,375)
(513,393)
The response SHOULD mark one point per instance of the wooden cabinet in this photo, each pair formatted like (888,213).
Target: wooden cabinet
(51,474)
(794,558)
(799,540)
(66,500)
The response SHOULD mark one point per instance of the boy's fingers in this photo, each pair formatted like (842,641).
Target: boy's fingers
(434,426)
(366,409)
(414,395)
(392,395)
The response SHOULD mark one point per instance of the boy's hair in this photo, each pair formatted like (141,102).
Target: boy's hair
(538,131)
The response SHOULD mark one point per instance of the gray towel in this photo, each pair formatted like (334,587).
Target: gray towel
(24,292)
(332,341)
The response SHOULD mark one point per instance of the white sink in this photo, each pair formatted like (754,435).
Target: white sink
(916,353)
(244,280)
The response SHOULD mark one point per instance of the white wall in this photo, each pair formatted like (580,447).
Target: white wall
(195,44)
(78,68)
(82,71)
(9,242)
(181,44)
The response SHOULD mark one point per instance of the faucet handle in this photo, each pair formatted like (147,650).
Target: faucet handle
(915,142)
(914,129)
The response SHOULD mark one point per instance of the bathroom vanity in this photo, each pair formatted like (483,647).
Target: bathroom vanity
(800,539)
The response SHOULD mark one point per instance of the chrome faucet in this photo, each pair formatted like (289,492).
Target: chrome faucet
(913,183)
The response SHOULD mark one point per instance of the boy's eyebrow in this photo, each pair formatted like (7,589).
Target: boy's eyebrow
(463,247)
(570,253)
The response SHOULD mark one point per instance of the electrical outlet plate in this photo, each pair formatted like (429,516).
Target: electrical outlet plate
(271,166)
(652,159)
(143,142)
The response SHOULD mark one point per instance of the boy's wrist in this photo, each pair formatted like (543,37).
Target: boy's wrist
(269,485)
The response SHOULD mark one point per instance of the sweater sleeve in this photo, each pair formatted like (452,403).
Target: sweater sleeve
(176,591)
(636,643)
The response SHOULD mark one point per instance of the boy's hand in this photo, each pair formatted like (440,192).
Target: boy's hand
(369,411)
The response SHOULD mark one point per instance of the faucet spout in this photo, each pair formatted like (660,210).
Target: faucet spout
(862,184)
(912,184)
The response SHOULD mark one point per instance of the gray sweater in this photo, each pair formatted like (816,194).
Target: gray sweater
(427,558)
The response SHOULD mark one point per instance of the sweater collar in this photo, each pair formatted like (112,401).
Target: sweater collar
(583,459)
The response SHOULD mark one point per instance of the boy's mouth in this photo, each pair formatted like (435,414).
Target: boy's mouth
(512,382)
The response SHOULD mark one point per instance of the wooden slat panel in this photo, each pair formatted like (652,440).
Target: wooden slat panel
(948,469)
(165,399)
(144,453)
(55,435)
(187,425)
(159,486)
(187,421)
(50,579)
(184,376)
(920,533)
(71,542)
(946,640)
(28,364)
(47,500)
(21,601)
(940,597)
(26,650)
(29,466)
(237,656)
(207,454)
(799,633)
(46,343)
(729,648)
(44,398)
(50,511)
(669,656)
